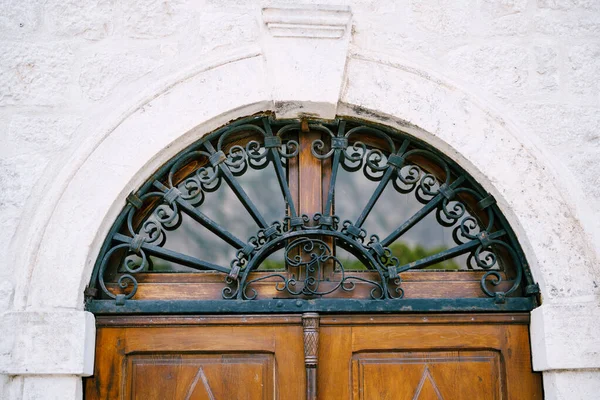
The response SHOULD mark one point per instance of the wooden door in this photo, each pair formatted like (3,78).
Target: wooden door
(358,357)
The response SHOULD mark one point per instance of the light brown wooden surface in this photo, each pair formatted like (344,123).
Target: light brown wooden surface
(225,361)
(310,178)
(427,375)
(431,285)
(204,376)
(463,356)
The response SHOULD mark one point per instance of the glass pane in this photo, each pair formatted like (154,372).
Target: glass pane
(275,262)
(263,189)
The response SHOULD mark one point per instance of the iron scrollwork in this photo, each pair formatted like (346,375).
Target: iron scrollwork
(309,256)
(478,228)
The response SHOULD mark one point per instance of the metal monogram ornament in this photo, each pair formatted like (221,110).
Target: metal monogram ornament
(478,228)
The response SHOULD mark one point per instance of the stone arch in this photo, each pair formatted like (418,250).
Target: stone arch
(60,241)
(430,109)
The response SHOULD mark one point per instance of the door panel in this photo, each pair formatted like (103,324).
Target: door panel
(427,375)
(367,357)
(201,376)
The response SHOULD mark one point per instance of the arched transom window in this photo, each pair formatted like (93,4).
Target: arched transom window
(267,215)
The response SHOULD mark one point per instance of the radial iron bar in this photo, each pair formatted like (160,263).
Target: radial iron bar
(334,170)
(391,169)
(203,220)
(281,178)
(170,255)
(238,190)
(418,216)
(448,254)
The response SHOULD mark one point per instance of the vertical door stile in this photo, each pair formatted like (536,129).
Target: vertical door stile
(310,325)
(310,190)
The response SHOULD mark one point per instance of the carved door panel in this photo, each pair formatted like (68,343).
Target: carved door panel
(428,375)
(423,357)
(201,376)
(412,357)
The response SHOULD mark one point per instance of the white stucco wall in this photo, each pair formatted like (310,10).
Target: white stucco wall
(509,89)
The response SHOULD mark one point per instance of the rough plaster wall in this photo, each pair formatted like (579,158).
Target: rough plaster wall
(537,61)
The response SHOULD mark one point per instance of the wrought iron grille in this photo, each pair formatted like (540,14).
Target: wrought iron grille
(312,276)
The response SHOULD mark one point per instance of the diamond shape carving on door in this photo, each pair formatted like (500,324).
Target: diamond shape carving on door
(433,375)
(427,388)
(201,376)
